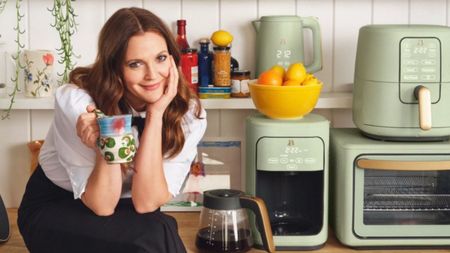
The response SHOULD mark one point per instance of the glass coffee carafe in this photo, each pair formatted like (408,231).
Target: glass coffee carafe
(224,225)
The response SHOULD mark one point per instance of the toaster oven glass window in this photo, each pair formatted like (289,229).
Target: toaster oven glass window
(403,197)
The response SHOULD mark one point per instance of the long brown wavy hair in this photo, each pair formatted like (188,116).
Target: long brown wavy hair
(103,79)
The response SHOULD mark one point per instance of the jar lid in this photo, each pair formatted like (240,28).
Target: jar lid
(240,73)
(189,50)
(222,48)
(204,41)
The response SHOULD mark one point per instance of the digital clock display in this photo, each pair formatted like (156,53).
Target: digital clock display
(292,150)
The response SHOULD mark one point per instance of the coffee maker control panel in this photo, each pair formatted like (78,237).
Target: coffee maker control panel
(290,154)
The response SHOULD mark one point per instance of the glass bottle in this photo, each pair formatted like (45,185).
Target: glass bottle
(222,66)
(204,63)
(181,35)
(189,67)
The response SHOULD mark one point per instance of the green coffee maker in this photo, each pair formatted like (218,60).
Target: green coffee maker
(287,167)
(280,40)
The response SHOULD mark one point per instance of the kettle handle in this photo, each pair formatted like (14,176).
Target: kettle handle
(313,24)
(257,206)
(256,24)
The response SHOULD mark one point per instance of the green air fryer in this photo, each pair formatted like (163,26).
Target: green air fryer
(402,84)
(287,167)
(279,40)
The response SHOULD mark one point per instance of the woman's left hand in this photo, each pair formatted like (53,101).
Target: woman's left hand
(158,108)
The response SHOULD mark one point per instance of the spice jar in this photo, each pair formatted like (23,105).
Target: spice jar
(239,84)
(189,67)
(222,69)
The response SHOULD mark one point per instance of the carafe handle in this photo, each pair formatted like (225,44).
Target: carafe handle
(257,206)
(313,24)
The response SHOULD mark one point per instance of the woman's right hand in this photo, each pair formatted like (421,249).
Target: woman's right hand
(87,127)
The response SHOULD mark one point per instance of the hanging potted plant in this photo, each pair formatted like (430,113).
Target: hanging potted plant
(16,57)
(64,23)
(66,26)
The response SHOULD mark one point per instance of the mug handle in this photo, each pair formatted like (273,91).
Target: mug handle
(313,24)
(257,206)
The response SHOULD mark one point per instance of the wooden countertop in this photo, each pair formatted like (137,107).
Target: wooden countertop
(188,225)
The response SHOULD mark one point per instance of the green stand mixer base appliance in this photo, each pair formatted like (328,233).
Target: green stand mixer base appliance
(287,167)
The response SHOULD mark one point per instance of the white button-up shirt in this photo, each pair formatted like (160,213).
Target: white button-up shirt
(68,163)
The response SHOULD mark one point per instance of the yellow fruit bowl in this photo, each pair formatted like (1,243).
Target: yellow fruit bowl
(284,102)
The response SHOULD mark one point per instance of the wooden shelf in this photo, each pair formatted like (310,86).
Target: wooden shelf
(326,101)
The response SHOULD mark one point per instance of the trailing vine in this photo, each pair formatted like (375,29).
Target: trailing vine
(2,5)
(19,31)
(66,26)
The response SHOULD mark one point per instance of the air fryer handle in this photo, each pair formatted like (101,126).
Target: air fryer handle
(257,206)
(422,94)
(313,24)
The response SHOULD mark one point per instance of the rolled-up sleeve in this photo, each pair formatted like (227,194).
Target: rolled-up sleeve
(176,169)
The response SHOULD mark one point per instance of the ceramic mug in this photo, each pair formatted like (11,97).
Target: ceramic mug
(38,73)
(116,141)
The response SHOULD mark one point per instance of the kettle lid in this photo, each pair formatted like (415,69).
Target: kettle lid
(222,199)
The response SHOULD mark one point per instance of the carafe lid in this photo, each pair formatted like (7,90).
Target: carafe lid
(222,199)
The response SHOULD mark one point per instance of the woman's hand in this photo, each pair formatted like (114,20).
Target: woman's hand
(87,127)
(158,108)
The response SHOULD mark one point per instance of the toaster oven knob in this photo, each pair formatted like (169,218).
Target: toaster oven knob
(422,94)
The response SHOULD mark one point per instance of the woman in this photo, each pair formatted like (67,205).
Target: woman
(75,201)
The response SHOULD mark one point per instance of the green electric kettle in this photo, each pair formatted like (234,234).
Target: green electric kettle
(279,40)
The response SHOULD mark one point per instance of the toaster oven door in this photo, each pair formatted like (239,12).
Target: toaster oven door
(401,196)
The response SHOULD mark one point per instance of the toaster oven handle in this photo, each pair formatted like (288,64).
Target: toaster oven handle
(402,165)
(422,94)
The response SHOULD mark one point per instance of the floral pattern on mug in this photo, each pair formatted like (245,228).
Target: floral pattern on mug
(118,125)
(48,59)
(38,71)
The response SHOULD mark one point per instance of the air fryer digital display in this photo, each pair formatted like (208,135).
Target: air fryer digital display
(290,154)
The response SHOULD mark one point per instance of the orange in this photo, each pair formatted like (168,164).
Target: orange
(270,77)
(291,83)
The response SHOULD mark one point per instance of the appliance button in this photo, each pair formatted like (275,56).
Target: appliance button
(291,166)
(310,160)
(428,62)
(410,77)
(410,69)
(299,160)
(272,160)
(428,70)
(428,77)
(284,160)
(411,62)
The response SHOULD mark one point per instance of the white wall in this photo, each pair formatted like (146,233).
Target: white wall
(339,20)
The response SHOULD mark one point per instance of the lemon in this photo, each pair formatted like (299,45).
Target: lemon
(221,38)
(297,72)
(311,80)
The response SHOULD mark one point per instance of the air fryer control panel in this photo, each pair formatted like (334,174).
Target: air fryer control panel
(290,154)
(420,64)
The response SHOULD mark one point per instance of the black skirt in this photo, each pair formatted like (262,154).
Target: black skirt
(50,220)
